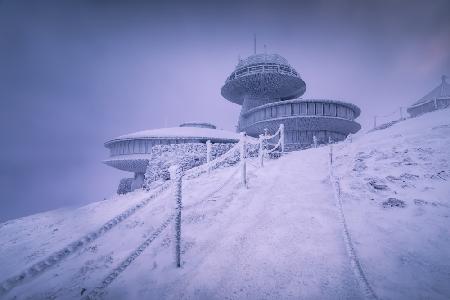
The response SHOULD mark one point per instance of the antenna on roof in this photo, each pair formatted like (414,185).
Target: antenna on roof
(254,43)
(265,49)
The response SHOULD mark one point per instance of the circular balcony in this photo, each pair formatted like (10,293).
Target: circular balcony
(303,119)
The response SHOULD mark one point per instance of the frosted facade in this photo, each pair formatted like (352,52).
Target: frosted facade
(267,87)
(132,152)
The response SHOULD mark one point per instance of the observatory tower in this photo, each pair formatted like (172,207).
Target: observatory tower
(268,88)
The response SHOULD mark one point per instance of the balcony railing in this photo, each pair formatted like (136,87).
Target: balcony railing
(262,68)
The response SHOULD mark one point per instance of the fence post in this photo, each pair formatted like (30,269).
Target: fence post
(282,138)
(315,141)
(243,162)
(261,150)
(176,174)
(208,154)
(331,154)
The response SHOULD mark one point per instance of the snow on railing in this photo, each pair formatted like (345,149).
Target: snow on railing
(264,142)
(177,173)
(237,153)
(351,252)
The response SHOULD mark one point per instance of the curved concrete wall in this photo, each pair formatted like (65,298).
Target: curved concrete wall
(303,119)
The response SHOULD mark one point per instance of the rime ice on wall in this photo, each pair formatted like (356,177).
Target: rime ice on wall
(267,87)
(151,152)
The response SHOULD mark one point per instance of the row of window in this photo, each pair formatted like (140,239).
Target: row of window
(262,68)
(143,146)
(293,109)
(307,137)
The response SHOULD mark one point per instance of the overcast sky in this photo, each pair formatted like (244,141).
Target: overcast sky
(75,73)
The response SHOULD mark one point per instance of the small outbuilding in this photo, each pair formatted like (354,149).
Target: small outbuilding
(438,98)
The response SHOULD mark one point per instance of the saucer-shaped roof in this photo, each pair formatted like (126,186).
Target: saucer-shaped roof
(439,92)
(262,58)
(180,133)
(263,76)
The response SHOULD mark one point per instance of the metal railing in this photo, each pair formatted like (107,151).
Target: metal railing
(262,68)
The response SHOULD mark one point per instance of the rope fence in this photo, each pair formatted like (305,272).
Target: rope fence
(238,153)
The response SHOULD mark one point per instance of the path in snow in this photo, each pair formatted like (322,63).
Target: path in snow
(90,265)
(280,238)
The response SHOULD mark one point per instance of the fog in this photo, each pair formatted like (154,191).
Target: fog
(75,74)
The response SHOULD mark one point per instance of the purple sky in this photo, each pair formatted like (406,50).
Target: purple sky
(76,73)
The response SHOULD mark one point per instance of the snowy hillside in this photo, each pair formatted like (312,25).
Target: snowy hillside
(283,237)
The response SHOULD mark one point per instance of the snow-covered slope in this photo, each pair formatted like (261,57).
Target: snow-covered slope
(280,238)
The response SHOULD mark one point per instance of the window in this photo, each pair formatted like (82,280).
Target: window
(287,109)
(311,108)
(280,110)
(296,107)
(333,110)
(341,111)
(326,109)
(319,109)
(350,113)
(303,108)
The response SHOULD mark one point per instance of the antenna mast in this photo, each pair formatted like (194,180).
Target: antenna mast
(254,43)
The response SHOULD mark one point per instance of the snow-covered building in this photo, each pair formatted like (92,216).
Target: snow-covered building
(438,98)
(132,152)
(268,88)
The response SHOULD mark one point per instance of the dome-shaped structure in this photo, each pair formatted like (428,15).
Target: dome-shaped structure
(264,77)
(267,87)
(262,58)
